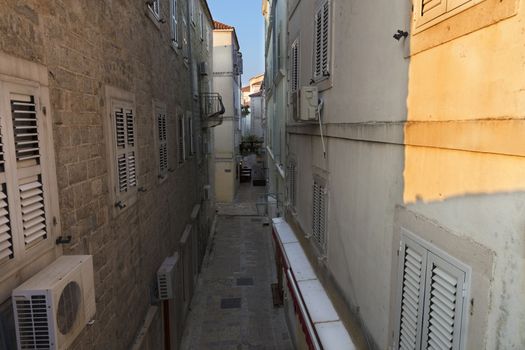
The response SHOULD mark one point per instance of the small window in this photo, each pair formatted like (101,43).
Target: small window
(431,303)
(322,41)
(162,140)
(190,139)
(185,39)
(319,204)
(174,24)
(122,127)
(181,144)
(154,6)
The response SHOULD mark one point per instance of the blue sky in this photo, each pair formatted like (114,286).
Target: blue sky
(246,17)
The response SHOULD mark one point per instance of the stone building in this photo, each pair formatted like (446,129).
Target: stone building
(227,71)
(118,161)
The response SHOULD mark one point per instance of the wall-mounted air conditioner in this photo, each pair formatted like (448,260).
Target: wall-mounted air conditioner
(308,104)
(167,277)
(53,307)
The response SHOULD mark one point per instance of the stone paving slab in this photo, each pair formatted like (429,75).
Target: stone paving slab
(242,251)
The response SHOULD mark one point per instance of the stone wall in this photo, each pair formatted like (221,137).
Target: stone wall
(87,45)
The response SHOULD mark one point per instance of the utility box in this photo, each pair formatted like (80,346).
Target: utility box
(309,103)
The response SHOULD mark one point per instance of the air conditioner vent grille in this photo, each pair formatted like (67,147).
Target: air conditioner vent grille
(33,324)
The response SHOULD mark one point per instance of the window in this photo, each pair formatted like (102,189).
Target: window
(174,24)
(319,213)
(292,183)
(438,10)
(154,6)
(182,139)
(294,66)
(162,140)
(431,297)
(123,148)
(185,39)
(322,42)
(208,37)
(27,190)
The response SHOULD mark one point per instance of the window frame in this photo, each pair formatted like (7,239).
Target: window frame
(154,7)
(440,13)
(321,239)
(181,139)
(115,98)
(31,80)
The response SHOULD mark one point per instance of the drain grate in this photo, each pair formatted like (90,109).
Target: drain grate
(231,303)
(245,281)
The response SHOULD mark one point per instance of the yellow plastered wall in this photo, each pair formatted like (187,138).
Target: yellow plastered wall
(466,105)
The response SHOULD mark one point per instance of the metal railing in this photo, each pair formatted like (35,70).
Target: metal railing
(212,108)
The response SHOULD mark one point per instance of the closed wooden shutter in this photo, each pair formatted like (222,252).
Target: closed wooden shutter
(182,143)
(27,132)
(124,119)
(445,286)
(412,262)
(294,66)
(322,42)
(292,179)
(319,214)
(431,9)
(162,137)
(6,234)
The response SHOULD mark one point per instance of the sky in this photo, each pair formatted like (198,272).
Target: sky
(246,17)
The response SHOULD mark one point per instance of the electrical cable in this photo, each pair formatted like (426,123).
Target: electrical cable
(318,112)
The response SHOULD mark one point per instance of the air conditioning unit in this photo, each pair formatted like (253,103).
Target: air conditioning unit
(308,104)
(53,307)
(203,68)
(167,277)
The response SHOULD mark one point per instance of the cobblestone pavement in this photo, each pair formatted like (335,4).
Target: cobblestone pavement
(232,307)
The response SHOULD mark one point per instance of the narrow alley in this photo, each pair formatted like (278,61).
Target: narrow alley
(232,307)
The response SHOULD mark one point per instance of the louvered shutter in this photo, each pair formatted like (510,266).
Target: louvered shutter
(125,150)
(412,269)
(182,142)
(322,42)
(294,66)
(431,9)
(162,137)
(319,214)
(27,131)
(292,174)
(445,286)
(190,132)
(6,235)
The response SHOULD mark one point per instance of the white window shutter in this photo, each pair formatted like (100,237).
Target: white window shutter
(319,214)
(292,179)
(182,141)
(322,41)
(6,235)
(325,61)
(431,9)
(445,286)
(318,47)
(27,131)
(294,66)
(124,119)
(412,268)
(162,138)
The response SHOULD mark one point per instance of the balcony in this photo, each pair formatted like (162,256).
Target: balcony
(212,109)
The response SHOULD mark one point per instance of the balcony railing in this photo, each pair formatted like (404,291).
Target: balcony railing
(212,109)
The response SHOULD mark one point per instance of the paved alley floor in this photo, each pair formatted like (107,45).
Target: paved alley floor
(232,307)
